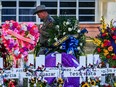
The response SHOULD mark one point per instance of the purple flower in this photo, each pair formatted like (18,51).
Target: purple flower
(25,49)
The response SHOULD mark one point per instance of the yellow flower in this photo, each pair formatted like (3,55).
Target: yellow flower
(97,41)
(112,54)
(86,85)
(93,83)
(60,81)
(114,84)
(102,31)
(33,80)
(105,51)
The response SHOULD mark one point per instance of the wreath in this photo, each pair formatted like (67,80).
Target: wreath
(19,39)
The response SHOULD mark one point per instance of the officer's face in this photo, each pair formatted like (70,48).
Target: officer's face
(41,15)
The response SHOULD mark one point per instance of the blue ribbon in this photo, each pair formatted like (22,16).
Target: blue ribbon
(84,30)
(113,44)
(70,45)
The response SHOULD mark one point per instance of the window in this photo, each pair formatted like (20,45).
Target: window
(8,10)
(22,10)
(67,4)
(8,3)
(86,10)
(49,4)
(27,18)
(51,7)
(52,11)
(26,9)
(4,18)
(68,8)
(27,4)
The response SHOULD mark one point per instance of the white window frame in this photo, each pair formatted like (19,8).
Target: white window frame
(58,9)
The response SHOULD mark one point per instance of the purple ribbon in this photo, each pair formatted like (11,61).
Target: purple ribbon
(67,61)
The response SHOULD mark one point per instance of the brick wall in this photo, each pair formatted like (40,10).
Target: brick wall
(92,29)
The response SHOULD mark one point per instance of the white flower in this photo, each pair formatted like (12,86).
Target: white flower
(16,52)
(35,85)
(24,28)
(60,47)
(78,48)
(49,40)
(57,27)
(67,23)
(44,80)
(71,52)
(11,24)
(32,77)
(33,38)
(7,22)
(79,31)
(81,44)
(64,33)
(74,28)
(88,79)
(69,29)
(39,78)
(94,86)
(64,23)
(100,78)
(7,37)
(114,24)
(97,86)
(55,39)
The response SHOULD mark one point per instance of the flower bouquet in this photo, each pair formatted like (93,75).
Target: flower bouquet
(106,43)
(66,36)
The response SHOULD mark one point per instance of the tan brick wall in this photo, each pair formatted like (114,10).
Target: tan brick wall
(92,29)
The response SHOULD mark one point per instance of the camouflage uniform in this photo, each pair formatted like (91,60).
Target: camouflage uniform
(44,35)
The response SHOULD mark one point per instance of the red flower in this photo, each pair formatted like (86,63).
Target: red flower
(5,80)
(82,83)
(108,56)
(113,28)
(114,57)
(114,37)
(25,59)
(106,43)
(104,34)
(107,85)
(113,66)
(98,50)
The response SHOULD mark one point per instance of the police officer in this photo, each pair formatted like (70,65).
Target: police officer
(43,28)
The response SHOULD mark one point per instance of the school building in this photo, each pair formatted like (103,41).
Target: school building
(88,12)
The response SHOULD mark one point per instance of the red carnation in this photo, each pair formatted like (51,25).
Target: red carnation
(114,37)
(108,56)
(98,50)
(104,34)
(114,57)
(106,43)
(107,85)
(113,66)
(113,28)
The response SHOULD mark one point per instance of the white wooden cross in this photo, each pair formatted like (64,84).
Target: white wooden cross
(54,72)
